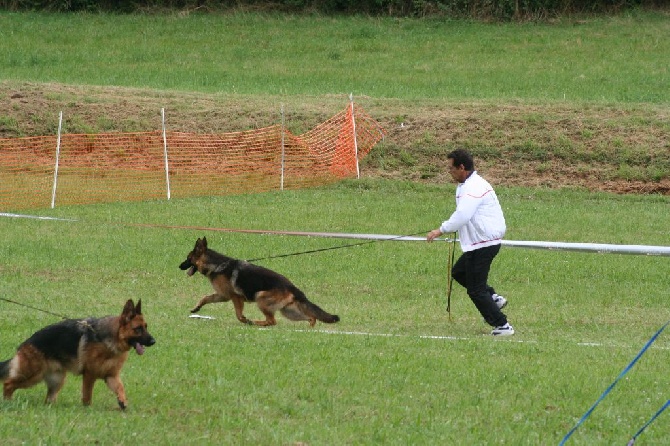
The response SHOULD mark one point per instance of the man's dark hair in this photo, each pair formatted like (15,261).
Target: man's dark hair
(462,156)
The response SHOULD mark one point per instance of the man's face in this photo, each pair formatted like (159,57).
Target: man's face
(458,173)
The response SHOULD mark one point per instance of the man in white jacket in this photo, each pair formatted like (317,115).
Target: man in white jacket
(480,224)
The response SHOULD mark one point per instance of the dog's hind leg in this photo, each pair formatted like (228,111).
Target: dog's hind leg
(269,319)
(212,298)
(292,312)
(22,371)
(55,381)
(12,384)
(269,302)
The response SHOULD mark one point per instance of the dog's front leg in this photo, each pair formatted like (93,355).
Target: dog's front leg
(238,302)
(212,298)
(116,386)
(88,382)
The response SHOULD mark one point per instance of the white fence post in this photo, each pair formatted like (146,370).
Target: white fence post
(53,192)
(281,187)
(165,154)
(353,122)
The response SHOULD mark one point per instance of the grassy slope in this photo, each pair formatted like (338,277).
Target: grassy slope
(516,94)
(619,148)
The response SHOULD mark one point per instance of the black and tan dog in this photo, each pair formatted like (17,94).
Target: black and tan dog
(241,281)
(93,348)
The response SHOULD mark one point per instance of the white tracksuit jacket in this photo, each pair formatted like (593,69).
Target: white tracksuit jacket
(478,217)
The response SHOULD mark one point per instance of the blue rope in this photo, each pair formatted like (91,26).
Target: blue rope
(621,375)
(637,434)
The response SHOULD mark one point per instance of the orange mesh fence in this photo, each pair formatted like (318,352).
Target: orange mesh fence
(334,142)
(112,167)
(26,172)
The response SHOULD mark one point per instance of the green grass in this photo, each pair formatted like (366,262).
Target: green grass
(396,369)
(570,60)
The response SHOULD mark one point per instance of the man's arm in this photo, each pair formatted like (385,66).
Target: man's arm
(467,206)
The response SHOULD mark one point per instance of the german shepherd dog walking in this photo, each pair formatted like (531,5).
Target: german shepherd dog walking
(241,282)
(94,348)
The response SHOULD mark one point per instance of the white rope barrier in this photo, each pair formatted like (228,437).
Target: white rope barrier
(602,248)
(593,247)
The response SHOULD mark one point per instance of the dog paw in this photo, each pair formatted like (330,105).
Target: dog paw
(196,309)
(122,405)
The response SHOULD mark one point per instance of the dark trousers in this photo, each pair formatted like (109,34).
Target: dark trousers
(471,271)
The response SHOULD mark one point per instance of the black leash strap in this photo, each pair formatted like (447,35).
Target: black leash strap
(33,308)
(450,276)
(350,245)
(251,260)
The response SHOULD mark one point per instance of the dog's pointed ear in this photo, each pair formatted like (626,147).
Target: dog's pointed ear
(204,242)
(138,307)
(128,311)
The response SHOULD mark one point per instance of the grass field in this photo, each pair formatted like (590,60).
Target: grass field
(396,369)
(572,60)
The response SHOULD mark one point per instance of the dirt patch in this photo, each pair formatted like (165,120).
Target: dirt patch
(615,148)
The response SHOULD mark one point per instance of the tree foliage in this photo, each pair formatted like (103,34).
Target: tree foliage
(475,9)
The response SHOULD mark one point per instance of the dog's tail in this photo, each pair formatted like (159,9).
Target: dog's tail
(312,310)
(320,314)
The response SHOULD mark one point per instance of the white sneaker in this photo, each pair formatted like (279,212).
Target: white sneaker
(499,300)
(503,330)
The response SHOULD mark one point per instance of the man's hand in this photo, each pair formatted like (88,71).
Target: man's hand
(432,235)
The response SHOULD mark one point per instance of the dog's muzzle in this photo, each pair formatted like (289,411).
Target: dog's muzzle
(141,343)
(187,266)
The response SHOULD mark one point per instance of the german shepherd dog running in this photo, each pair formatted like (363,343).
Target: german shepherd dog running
(94,348)
(241,281)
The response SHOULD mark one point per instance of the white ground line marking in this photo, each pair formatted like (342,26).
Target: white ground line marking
(460,338)
(436,337)
(35,217)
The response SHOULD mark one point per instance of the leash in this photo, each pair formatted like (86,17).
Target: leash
(450,276)
(450,261)
(34,308)
(251,260)
(349,245)
(82,323)
(611,386)
(258,231)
